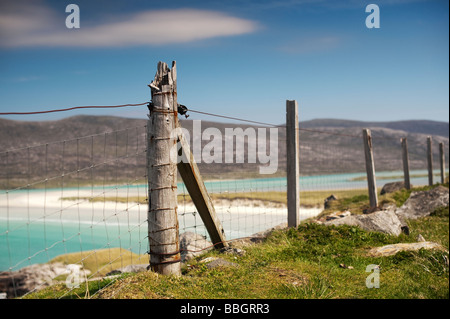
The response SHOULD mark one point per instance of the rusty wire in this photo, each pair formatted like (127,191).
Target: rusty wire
(72,108)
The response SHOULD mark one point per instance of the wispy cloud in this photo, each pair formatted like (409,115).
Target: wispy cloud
(40,26)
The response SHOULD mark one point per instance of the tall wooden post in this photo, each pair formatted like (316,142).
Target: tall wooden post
(430,160)
(405,158)
(370,168)
(293,166)
(162,173)
(442,161)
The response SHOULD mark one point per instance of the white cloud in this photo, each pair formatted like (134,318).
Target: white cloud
(38,26)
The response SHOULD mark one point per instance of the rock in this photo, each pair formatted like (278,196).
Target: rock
(208,260)
(381,221)
(422,203)
(233,251)
(345,266)
(337,215)
(392,187)
(192,244)
(371,210)
(219,262)
(420,238)
(327,201)
(390,250)
(257,237)
(13,284)
(34,277)
(388,206)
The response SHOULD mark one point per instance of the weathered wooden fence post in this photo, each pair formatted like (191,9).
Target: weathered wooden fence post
(405,158)
(430,160)
(442,161)
(163,233)
(293,165)
(370,168)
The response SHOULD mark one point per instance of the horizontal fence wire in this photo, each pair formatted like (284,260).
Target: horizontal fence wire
(84,200)
(71,109)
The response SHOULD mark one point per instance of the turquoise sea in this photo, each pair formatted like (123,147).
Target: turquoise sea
(25,240)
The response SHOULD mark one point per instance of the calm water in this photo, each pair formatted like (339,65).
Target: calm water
(23,242)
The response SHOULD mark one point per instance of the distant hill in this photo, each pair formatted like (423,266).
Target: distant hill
(112,148)
(26,133)
(411,126)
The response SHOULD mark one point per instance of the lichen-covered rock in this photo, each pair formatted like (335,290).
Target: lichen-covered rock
(390,250)
(385,221)
(192,244)
(34,277)
(421,204)
(392,187)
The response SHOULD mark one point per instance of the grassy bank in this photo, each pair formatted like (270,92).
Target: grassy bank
(312,261)
(307,198)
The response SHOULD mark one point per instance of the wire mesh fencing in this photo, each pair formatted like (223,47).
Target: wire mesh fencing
(79,201)
(83,201)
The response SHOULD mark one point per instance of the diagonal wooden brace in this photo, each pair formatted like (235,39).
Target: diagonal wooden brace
(194,183)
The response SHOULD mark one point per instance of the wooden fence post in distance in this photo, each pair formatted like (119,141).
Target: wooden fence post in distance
(430,160)
(442,162)
(162,216)
(293,165)
(405,158)
(370,168)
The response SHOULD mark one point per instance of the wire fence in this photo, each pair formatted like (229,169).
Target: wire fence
(84,196)
(83,201)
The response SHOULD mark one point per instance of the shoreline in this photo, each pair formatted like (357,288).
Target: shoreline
(34,225)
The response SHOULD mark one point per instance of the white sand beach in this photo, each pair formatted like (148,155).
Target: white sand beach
(37,225)
(48,206)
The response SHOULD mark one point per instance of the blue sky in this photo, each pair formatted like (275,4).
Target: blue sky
(237,58)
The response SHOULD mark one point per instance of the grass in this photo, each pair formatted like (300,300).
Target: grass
(399,177)
(297,263)
(308,262)
(307,198)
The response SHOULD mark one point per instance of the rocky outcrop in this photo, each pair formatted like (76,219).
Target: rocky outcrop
(423,203)
(34,277)
(385,221)
(392,187)
(391,220)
